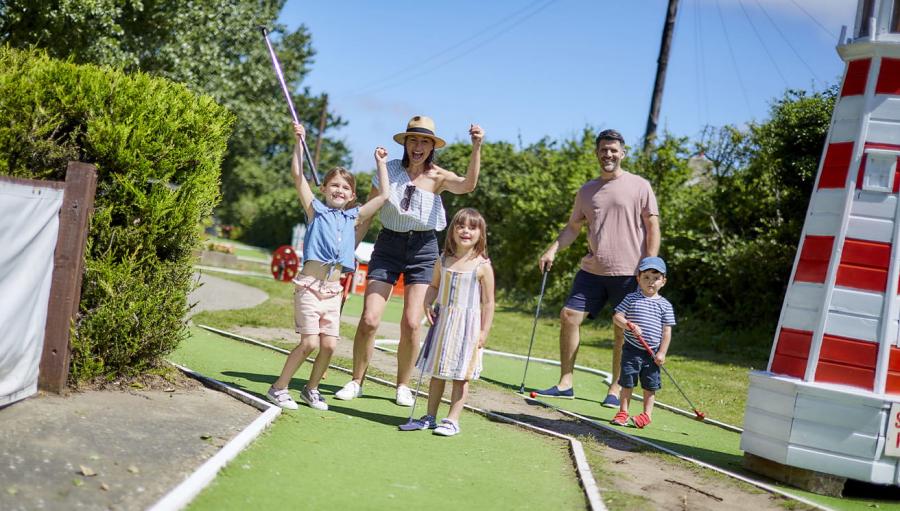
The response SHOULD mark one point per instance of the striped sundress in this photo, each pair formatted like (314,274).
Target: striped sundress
(450,351)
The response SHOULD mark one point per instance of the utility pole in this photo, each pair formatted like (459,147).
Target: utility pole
(660,83)
(322,118)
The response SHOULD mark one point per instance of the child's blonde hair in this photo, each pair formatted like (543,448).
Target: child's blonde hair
(349,177)
(473,219)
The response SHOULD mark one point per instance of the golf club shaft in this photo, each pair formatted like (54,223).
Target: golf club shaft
(537,314)
(287,96)
(653,356)
(425,350)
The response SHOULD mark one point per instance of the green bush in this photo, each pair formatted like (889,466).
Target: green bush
(157,148)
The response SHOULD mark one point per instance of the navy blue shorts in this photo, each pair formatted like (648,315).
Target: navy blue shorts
(591,292)
(636,362)
(412,254)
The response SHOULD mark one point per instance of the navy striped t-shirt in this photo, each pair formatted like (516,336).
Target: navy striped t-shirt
(651,314)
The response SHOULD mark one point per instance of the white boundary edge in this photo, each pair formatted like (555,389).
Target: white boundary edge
(582,468)
(607,378)
(216,269)
(187,490)
(759,484)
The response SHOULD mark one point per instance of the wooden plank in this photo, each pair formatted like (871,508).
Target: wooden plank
(68,266)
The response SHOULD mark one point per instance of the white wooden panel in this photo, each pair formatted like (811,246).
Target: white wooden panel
(828,201)
(849,107)
(774,383)
(879,472)
(874,204)
(844,130)
(773,403)
(866,420)
(800,319)
(849,396)
(853,301)
(834,439)
(854,327)
(870,229)
(805,295)
(822,225)
(772,426)
(883,132)
(883,108)
(764,447)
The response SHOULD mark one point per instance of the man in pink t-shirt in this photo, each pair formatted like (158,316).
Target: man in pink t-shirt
(622,219)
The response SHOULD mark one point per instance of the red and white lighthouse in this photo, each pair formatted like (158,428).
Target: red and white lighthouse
(830,399)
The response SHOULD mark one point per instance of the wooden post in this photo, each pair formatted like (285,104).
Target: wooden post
(660,83)
(68,266)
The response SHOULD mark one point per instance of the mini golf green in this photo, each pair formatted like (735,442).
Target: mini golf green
(681,434)
(353,456)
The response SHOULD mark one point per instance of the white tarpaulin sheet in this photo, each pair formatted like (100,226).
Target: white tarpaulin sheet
(29,224)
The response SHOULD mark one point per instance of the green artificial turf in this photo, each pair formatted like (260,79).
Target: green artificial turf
(353,456)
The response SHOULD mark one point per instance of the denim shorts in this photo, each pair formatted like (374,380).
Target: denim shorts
(636,362)
(591,292)
(412,254)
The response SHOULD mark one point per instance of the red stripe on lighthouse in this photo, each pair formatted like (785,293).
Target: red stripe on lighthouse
(893,375)
(836,165)
(814,257)
(888,77)
(855,78)
(791,352)
(847,361)
(864,265)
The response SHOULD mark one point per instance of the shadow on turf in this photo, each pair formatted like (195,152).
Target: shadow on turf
(328,392)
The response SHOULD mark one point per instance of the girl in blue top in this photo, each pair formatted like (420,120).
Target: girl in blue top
(328,249)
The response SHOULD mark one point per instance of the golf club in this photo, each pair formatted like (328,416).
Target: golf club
(537,313)
(287,97)
(699,415)
(429,338)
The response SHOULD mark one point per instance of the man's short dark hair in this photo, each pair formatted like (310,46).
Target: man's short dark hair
(609,135)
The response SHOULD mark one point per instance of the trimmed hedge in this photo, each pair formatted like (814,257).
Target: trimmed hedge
(158,149)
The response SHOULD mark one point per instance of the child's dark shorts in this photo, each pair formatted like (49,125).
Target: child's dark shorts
(636,362)
(591,292)
(411,253)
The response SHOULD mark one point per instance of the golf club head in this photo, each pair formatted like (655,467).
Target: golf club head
(264,30)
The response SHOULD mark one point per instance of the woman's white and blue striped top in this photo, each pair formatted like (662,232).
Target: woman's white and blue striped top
(425,211)
(651,314)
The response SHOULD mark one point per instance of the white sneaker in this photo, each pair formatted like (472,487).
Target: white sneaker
(349,391)
(313,399)
(404,396)
(447,428)
(282,398)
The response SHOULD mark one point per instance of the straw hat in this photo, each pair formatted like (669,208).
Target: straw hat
(423,127)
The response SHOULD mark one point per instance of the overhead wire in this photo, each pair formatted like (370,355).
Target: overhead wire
(762,43)
(813,18)
(788,42)
(737,68)
(511,21)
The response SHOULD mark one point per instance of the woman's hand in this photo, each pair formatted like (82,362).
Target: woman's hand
(381,155)
(476,133)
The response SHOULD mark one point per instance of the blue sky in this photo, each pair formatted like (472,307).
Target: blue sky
(534,68)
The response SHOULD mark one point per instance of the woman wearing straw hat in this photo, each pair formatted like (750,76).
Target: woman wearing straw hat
(407,245)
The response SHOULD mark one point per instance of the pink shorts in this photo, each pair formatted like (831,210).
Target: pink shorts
(317,306)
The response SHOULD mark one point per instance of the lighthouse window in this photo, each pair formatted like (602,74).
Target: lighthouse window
(880,169)
(868,7)
(895,17)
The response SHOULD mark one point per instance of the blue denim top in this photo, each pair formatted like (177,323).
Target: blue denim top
(330,236)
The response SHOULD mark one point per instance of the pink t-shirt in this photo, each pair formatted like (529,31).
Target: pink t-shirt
(616,233)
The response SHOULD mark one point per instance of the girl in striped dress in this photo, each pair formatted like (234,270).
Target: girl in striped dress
(463,286)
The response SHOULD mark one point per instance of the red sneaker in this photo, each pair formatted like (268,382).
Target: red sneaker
(620,419)
(641,421)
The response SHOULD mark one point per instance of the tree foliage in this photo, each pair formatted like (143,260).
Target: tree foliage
(215,48)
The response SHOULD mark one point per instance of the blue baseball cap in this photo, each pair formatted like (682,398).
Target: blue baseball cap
(652,263)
